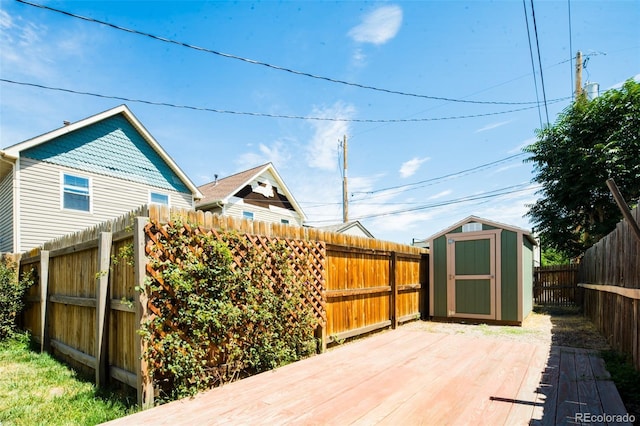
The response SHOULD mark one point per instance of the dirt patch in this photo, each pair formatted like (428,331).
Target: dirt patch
(563,327)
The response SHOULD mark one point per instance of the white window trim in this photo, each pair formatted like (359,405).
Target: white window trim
(245,214)
(160,193)
(62,207)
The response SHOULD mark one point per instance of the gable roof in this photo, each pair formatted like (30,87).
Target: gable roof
(221,190)
(469,219)
(343,227)
(36,144)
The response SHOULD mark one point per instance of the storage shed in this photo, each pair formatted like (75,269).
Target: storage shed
(482,271)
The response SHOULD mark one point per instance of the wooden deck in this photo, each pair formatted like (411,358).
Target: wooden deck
(409,376)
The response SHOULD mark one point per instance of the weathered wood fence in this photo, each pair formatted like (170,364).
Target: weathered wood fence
(556,285)
(610,276)
(85,307)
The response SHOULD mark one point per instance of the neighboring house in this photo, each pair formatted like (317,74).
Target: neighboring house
(255,194)
(83,174)
(349,228)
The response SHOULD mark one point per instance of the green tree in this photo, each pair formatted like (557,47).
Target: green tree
(551,257)
(590,142)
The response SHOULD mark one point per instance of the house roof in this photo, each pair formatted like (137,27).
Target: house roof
(13,152)
(221,190)
(469,219)
(342,227)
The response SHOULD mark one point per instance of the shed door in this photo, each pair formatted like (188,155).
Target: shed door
(471,275)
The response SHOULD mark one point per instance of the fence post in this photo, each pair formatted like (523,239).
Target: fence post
(394,289)
(102,308)
(44,301)
(321,335)
(424,286)
(144,384)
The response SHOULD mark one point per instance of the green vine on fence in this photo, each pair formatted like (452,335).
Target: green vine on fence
(12,293)
(222,308)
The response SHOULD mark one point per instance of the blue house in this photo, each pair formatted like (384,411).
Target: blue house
(82,174)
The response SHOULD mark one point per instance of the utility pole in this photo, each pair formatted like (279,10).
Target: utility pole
(345,197)
(578,75)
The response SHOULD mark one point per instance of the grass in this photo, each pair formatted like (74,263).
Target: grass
(37,389)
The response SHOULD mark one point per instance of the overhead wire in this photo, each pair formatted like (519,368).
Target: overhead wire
(481,196)
(268,65)
(420,184)
(570,45)
(544,93)
(262,114)
(533,66)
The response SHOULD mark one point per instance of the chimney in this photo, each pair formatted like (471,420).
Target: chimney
(215,177)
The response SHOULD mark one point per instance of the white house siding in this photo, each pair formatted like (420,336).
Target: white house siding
(273,214)
(6,214)
(42,217)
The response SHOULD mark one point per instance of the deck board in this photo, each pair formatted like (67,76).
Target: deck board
(409,376)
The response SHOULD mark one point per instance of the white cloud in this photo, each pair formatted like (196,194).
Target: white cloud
(5,20)
(359,58)
(275,153)
(409,168)
(322,151)
(32,49)
(520,147)
(619,84)
(492,126)
(379,26)
(441,194)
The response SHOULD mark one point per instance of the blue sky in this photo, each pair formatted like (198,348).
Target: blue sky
(404,176)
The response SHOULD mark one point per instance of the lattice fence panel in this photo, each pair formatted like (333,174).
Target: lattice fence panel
(306,259)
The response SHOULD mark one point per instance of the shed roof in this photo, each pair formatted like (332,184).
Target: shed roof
(495,224)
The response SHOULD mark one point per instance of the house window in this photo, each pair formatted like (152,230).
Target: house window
(76,193)
(247,215)
(284,221)
(158,198)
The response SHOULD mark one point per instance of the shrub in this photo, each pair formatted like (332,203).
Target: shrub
(213,318)
(12,291)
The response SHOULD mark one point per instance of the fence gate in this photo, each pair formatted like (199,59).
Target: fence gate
(556,286)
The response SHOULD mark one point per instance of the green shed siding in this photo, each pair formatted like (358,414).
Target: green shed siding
(439,253)
(111,147)
(513,278)
(473,296)
(509,275)
(472,257)
(527,278)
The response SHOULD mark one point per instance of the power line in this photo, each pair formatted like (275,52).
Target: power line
(544,94)
(262,114)
(268,65)
(410,186)
(570,46)
(533,66)
(491,194)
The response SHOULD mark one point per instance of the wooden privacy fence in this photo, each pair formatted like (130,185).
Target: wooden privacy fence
(556,286)
(610,276)
(85,307)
